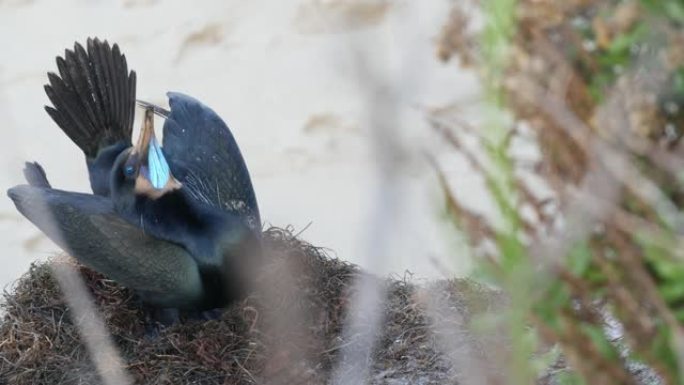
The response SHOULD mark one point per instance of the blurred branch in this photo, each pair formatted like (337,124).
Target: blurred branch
(96,338)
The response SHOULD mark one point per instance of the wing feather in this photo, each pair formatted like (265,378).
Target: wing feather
(204,156)
(86,227)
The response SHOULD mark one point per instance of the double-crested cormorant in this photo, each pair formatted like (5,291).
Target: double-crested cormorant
(220,229)
(180,225)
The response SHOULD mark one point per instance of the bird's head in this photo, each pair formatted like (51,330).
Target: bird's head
(143,169)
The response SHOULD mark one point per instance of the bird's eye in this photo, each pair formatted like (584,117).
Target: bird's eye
(129,170)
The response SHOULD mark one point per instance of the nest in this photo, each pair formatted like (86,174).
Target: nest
(289,332)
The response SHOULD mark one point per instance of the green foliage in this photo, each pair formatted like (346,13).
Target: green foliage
(569,378)
(670,9)
(554,302)
(662,349)
(496,37)
(678,81)
(615,58)
(579,260)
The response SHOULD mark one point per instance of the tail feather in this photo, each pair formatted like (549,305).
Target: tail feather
(93,96)
(35,175)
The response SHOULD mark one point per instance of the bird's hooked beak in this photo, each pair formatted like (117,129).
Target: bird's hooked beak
(154,176)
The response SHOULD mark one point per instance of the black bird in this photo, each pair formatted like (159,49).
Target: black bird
(209,208)
(203,154)
(182,241)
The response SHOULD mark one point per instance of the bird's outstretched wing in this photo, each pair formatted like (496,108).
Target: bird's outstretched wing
(35,175)
(93,100)
(204,156)
(86,227)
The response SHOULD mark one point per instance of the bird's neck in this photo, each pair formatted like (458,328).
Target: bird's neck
(176,218)
(99,166)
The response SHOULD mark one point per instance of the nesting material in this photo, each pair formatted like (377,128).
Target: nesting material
(288,331)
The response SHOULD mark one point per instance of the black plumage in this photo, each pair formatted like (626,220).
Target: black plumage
(93,100)
(211,211)
(190,243)
(88,228)
(205,157)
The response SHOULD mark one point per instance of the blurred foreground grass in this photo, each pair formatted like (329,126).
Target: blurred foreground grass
(595,270)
